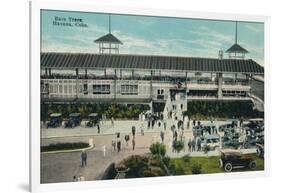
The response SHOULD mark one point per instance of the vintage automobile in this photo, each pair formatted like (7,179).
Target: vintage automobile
(199,130)
(213,141)
(73,121)
(55,120)
(231,140)
(233,159)
(260,150)
(232,123)
(94,119)
(254,126)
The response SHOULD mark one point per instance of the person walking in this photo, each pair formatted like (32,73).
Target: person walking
(198,144)
(193,143)
(98,128)
(142,130)
(127,138)
(175,136)
(113,143)
(133,143)
(165,125)
(189,145)
(134,131)
(84,158)
(159,124)
(118,145)
(162,136)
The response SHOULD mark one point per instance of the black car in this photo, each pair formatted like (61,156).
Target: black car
(254,126)
(94,119)
(55,120)
(232,159)
(73,121)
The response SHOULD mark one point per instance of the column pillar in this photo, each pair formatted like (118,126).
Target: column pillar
(219,76)
(77,85)
(151,90)
(86,74)
(115,84)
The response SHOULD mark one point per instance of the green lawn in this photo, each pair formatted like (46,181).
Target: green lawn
(211,164)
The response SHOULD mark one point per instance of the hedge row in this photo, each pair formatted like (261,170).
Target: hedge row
(64,146)
(221,109)
(110,110)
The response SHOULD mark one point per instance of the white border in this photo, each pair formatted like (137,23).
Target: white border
(35,7)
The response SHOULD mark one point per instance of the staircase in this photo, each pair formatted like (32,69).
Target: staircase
(177,106)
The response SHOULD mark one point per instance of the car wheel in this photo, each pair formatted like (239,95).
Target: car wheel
(252,165)
(228,167)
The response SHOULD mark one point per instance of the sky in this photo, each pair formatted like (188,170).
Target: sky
(146,35)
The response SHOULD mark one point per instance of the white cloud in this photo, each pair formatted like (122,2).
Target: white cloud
(208,45)
(255,28)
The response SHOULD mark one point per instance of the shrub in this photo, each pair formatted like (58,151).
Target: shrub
(178,145)
(196,168)
(64,146)
(158,149)
(166,160)
(153,171)
(179,170)
(186,158)
(176,168)
(137,165)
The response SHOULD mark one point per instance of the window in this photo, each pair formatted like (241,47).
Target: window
(101,89)
(160,94)
(85,89)
(70,88)
(44,87)
(160,91)
(65,89)
(129,89)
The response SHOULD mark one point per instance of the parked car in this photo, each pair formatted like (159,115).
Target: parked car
(199,130)
(94,119)
(213,141)
(232,123)
(55,120)
(73,121)
(232,159)
(254,126)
